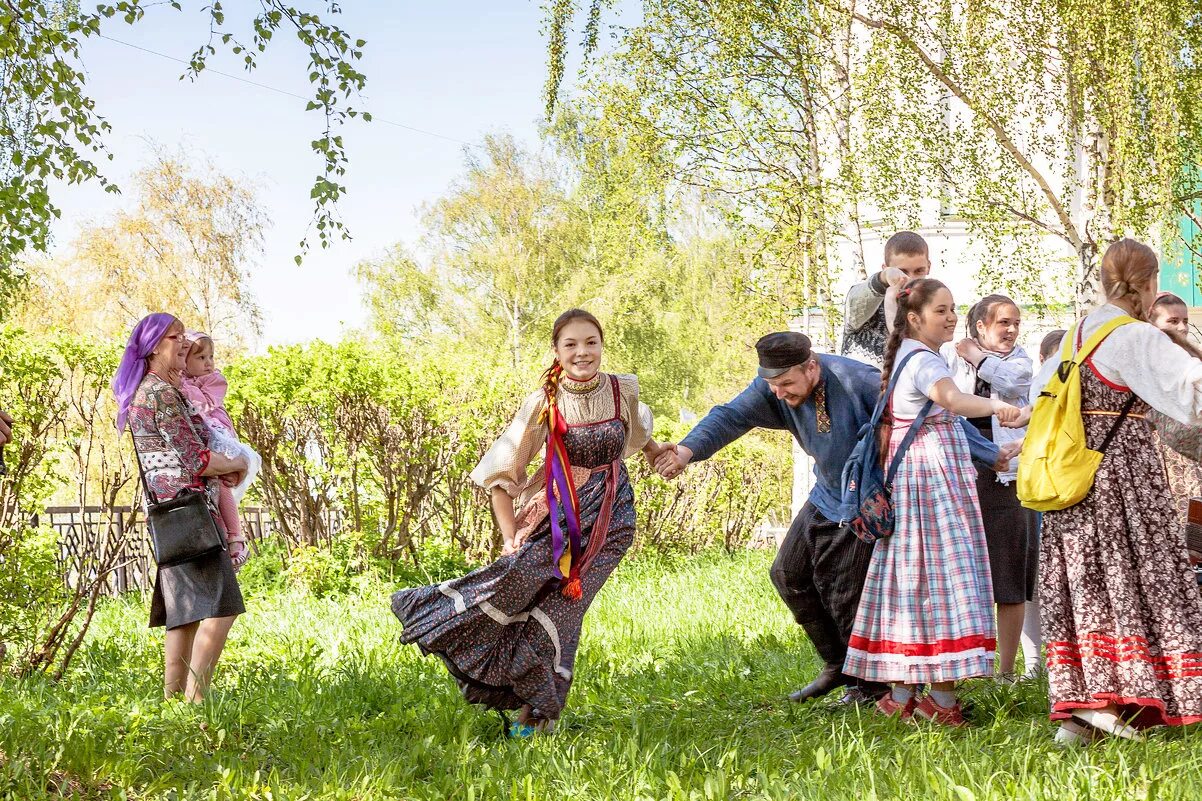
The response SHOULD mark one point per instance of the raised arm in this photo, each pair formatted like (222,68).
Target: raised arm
(945,394)
(863,300)
(1011,377)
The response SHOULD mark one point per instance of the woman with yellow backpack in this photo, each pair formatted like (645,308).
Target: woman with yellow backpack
(1121,614)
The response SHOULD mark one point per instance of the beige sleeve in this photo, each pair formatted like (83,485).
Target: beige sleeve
(506,461)
(638,418)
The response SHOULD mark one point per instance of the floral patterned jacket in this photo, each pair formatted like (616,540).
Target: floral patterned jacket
(171,441)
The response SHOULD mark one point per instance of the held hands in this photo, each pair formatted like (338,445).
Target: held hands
(672,460)
(1006,414)
(1006,453)
(1024,417)
(6,428)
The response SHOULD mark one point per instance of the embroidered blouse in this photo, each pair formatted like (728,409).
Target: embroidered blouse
(506,462)
(173,453)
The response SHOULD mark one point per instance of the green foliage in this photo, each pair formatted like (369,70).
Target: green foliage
(32,592)
(679,693)
(50,129)
(1048,128)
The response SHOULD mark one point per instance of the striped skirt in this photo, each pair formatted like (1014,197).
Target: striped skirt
(926,613)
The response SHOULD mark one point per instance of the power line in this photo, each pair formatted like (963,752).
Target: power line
(277,90)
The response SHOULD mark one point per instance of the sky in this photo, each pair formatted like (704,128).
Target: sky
(456,68)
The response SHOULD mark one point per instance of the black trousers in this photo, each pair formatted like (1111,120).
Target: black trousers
(819,572)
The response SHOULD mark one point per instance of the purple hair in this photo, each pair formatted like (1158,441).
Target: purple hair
(146,334)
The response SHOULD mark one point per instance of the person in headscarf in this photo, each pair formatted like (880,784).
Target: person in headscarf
(196,601)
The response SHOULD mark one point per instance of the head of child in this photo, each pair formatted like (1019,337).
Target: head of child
(200,356)
(578,342)
(1170,314)
(1129,275)
(1050,344)
(925,312)
(993,323)
(908,252)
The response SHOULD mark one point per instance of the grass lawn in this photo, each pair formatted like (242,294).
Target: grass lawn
(680,694)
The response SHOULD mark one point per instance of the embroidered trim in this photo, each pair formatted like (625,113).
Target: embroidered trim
(581,387)
(498,616)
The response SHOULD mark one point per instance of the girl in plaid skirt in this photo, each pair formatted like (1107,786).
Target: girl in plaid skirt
(926,613)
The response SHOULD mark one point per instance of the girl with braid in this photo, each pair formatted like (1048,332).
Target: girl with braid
(1122,617)
(926,613)
(509,631)
(990,363)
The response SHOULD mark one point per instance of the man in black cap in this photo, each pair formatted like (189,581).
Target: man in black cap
(823,401)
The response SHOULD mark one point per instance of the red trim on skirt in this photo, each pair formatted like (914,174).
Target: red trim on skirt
(937,648)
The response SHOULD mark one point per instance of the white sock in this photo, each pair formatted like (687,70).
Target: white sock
(945,698)
(901,693)
(1032,638)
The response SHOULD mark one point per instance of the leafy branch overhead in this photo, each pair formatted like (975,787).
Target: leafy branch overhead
(51,130)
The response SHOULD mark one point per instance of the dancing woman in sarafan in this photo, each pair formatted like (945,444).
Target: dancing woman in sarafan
(1122,617)
(508,632)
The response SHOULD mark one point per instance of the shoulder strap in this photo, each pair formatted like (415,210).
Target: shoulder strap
(879,411)
(1115,428)
(613,381)
(1092,343)
(141,473)
(188,419)
(1069,359)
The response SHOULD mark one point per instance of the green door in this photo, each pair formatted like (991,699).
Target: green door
(1179,273)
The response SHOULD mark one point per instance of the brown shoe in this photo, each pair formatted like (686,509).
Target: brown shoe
(942,715)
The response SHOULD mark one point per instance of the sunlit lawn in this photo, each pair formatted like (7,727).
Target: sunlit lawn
(680,693)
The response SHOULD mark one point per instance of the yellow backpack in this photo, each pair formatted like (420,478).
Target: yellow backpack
(1056,469)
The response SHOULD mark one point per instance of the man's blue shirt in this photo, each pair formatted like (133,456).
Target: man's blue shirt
(848,391)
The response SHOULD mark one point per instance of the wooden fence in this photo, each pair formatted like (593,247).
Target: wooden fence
(83,533)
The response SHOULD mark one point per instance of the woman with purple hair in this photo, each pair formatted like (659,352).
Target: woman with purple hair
(196,601)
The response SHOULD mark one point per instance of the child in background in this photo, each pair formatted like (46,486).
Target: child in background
(1032,639)
(205,388)
(1180,445)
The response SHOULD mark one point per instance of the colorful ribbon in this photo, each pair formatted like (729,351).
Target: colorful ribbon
(559,477)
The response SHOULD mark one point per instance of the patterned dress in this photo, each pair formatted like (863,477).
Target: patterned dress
(506,632)
(1181,449)
(926,613)
(1122,617)
(172,445)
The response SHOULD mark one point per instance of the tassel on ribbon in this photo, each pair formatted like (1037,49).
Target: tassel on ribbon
(559,477)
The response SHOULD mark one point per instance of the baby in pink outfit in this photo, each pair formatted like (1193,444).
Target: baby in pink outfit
(205,388)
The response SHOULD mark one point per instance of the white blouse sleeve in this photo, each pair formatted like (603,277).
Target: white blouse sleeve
(1159,371)
(506,461)
(1010,377)
(638,418)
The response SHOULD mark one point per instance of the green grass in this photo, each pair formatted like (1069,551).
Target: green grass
(680,694)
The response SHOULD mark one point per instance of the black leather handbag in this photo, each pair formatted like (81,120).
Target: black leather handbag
(181,529)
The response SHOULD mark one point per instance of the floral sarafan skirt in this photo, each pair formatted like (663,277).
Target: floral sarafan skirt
(1121,612)
(506,632)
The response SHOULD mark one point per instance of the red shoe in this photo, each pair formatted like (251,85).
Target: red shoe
(942,715)
(887,705)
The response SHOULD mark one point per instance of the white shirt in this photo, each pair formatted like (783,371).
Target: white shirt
(1140,357)
(914,385)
